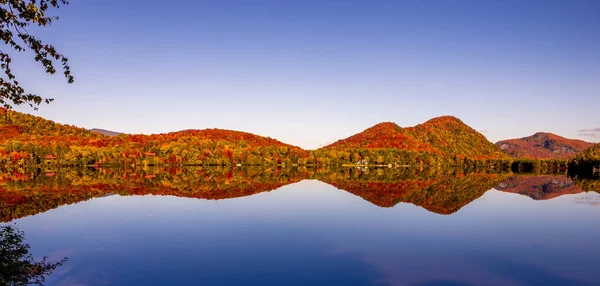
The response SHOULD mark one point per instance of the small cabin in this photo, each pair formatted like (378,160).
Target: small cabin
(150,154)
(50,157)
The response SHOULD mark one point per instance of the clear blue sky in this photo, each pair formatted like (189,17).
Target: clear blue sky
(311,72)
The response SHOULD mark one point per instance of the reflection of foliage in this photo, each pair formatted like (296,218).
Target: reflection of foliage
(588,185)
(17,266)
(540,187)
(439,191)
(23,194)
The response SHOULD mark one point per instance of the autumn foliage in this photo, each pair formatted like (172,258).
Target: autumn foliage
(586,164)
(441,192)
(32,141)
(28,141)
(543,146)
(444,140)
(29,193)
(540,187)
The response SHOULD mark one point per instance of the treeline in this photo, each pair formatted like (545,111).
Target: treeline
(540,166)
(586,164)
(400,157)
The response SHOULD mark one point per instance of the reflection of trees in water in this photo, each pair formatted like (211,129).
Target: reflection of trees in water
(24,194)
(17,266)
(539,187)
(442,191)
(544,187)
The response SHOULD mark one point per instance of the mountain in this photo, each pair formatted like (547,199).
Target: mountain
(105,132)
(27,140)
(443,138)
(38,192)
(440,193)
(543,146)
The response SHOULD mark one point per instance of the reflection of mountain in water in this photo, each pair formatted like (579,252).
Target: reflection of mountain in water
(539,187)
(439,191)
(27,194)
(545,187)
(587,199)
(442,193)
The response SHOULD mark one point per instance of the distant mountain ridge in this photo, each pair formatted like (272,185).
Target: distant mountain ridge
(106,132)
(543,145)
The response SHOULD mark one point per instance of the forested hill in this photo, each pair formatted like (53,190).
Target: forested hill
(443,138)
(451,136)
(29,140)
(543,146)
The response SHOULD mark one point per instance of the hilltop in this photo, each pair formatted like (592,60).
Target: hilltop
(451,136)
(543,146)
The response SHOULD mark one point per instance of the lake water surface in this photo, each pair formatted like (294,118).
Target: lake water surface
(335,228)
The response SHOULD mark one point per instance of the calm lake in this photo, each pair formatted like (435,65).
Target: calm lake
(274,227)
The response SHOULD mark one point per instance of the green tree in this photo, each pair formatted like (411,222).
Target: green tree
(15,17)
(17,266)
